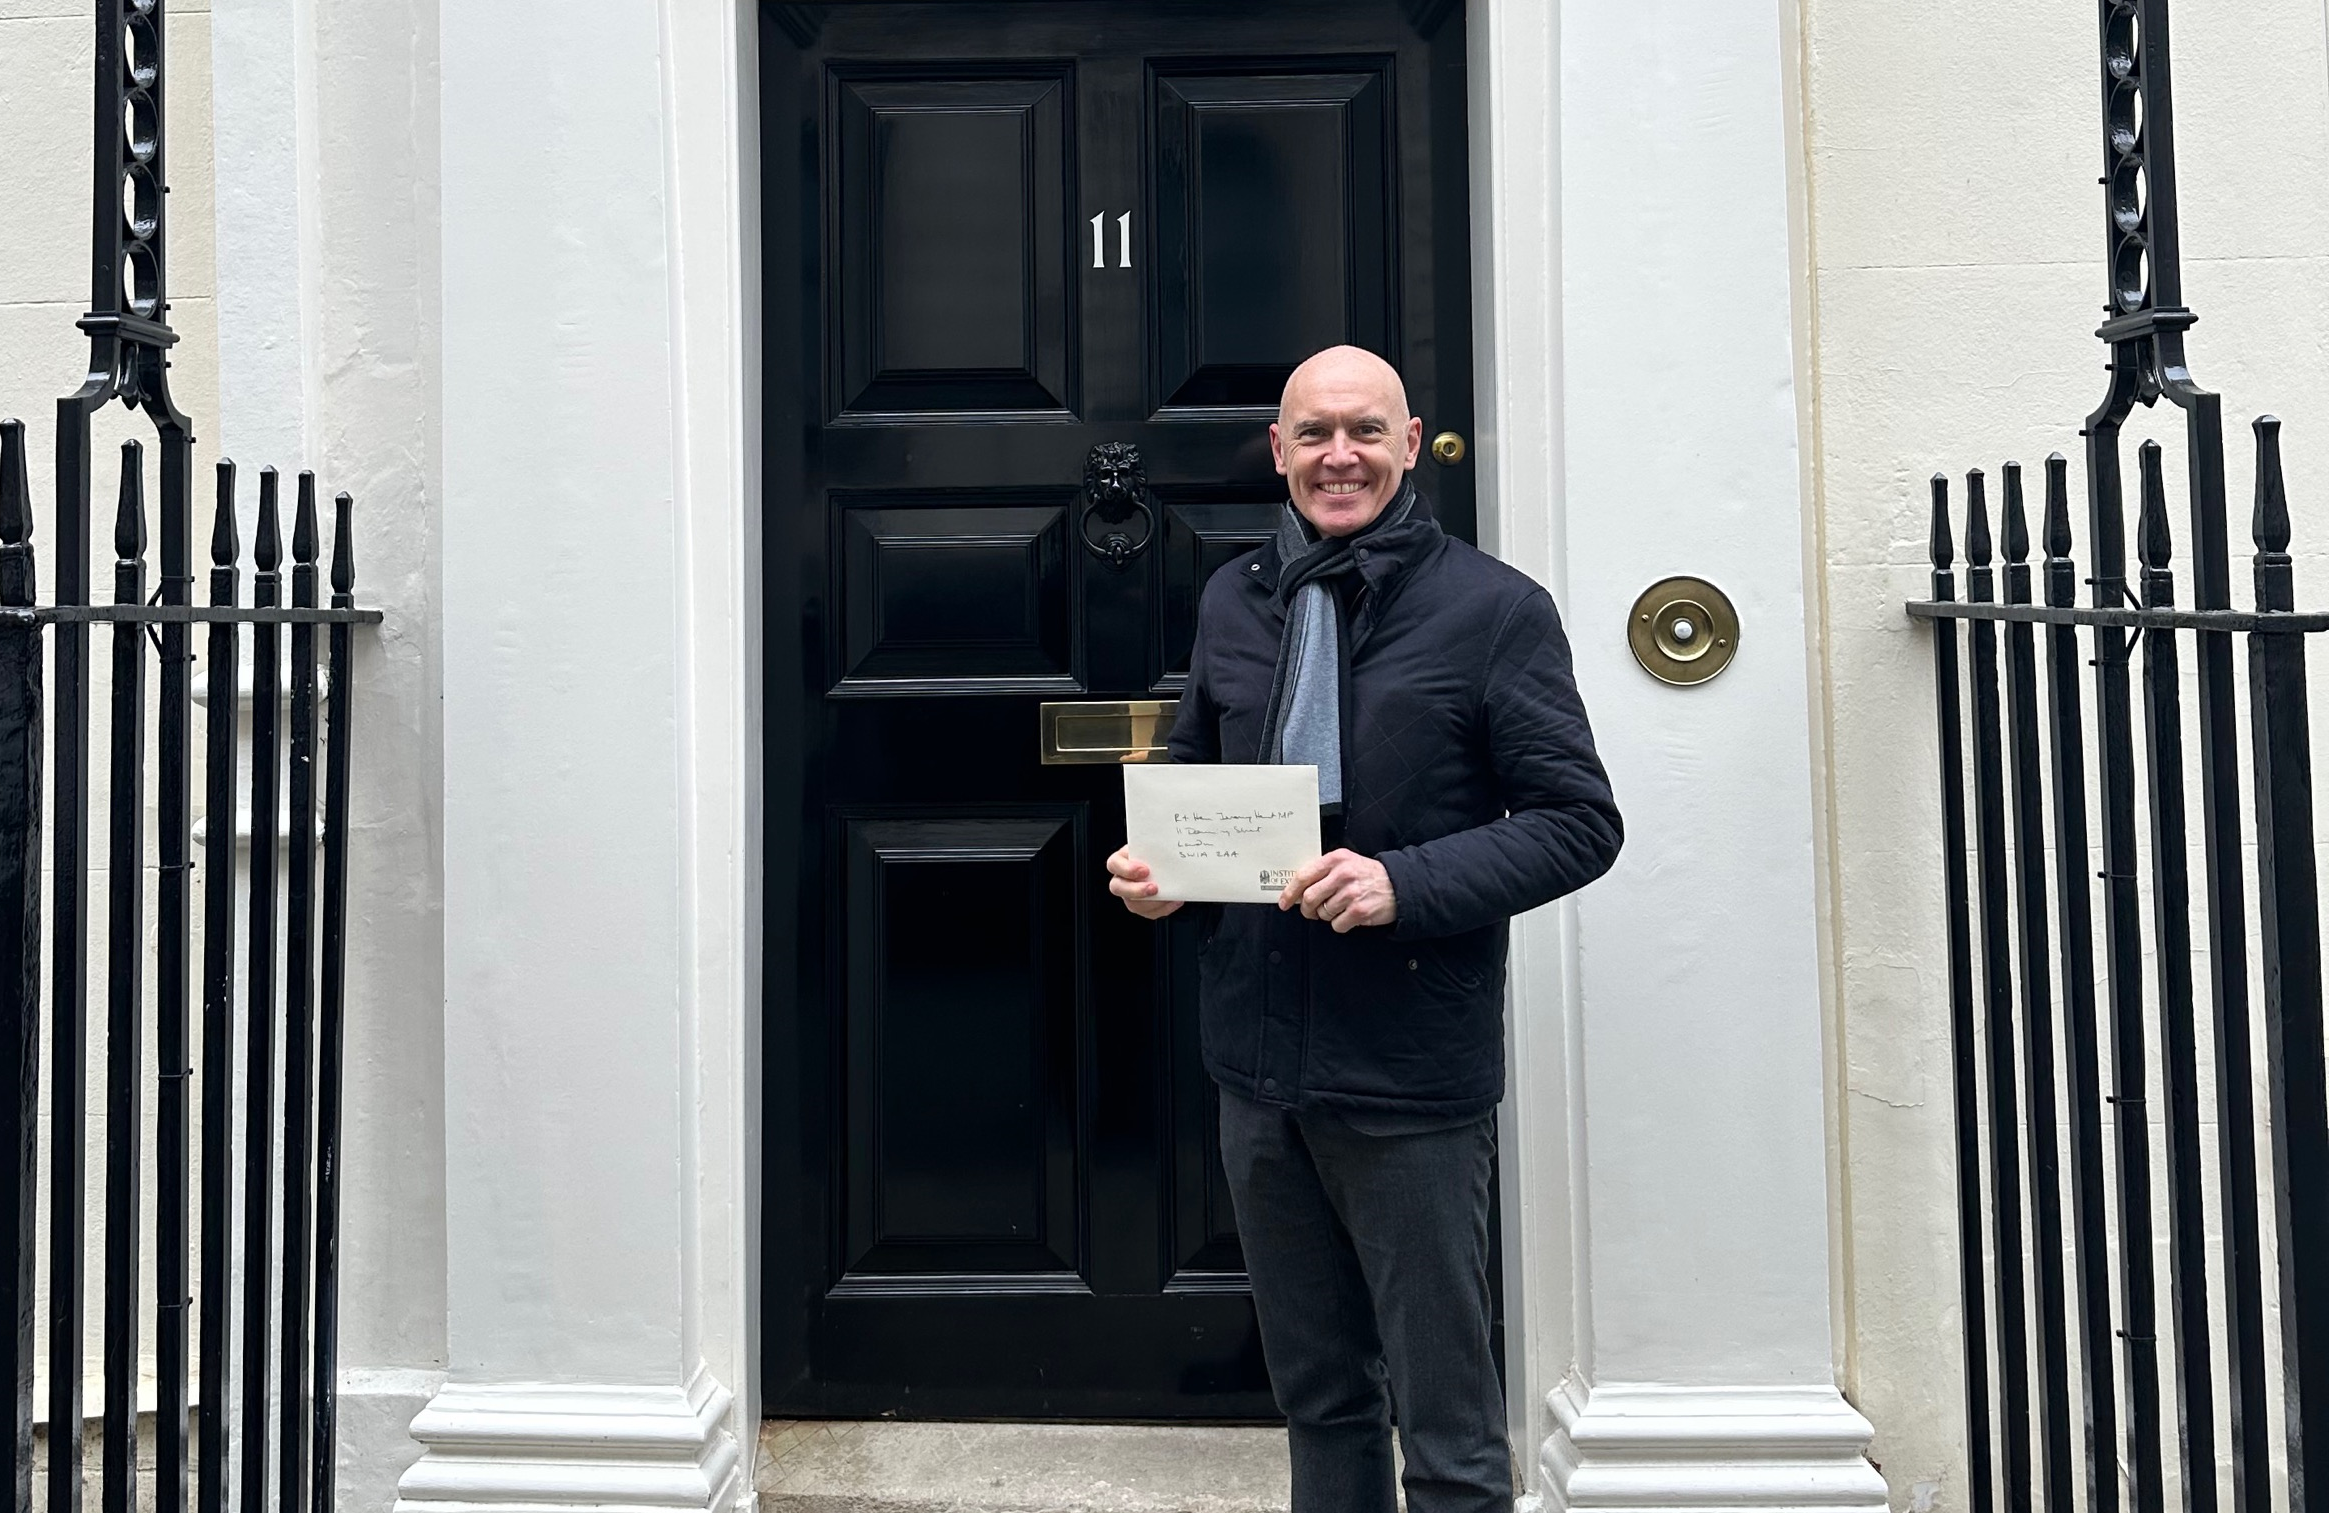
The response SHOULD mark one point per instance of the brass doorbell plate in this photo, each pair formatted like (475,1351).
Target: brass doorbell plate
(1683,630)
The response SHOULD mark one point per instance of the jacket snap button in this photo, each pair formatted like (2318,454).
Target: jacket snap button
(1269,1084)
(1277,956)
(1413,965)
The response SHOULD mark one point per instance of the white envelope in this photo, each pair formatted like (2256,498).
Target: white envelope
(1213,833)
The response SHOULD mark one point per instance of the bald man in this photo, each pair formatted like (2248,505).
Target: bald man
(1356,1030)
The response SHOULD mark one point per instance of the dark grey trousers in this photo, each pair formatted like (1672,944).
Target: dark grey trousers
(1369,1259)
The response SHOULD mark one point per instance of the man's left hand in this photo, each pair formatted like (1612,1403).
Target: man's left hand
(1345,889)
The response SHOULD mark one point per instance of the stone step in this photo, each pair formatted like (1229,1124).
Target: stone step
(888,1467)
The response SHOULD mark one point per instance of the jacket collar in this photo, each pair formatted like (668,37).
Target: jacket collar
(1380,561)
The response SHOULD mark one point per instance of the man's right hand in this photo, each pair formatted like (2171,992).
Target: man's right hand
(1128,880)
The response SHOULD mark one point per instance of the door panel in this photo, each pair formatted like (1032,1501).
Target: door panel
(963,954)
(949,196)
(998,236)
(942,595)
(1274,226)
(1200,535)
(1203,1231)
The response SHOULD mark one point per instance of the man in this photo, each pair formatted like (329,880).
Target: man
(1356,1030)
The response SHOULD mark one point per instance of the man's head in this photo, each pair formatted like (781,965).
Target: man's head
(1344,439)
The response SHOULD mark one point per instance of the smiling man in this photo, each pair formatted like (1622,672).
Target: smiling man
(1356,1030)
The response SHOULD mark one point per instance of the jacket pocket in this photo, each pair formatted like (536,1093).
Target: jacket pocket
(1410,1020)
(1454,966)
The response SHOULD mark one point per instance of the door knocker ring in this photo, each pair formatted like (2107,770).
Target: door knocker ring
(1116,518)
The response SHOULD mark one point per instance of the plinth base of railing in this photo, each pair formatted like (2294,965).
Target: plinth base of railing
(1707,1450)
(537,1448)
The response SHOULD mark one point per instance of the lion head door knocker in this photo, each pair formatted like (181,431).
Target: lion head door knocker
(1116,517)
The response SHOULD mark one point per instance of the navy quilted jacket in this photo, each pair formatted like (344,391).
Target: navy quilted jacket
(1469,772)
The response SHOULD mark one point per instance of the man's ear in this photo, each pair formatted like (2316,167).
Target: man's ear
(1414,439)
(1278,447)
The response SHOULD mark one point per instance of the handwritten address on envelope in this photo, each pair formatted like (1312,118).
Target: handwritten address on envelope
(1212,833)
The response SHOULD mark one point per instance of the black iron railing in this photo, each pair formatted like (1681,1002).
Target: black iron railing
(263,1221)
(2062,1307)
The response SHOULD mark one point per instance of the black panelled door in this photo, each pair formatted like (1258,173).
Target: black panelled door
(997,238)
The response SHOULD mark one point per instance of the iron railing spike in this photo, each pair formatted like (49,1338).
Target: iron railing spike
(218,1037)
(262,1009)
(267,550)
(2057,527)
(305,543)
(225,542)
(2272,496)
(1943,548)
(2154,546)
(129,520)
(15,492)
(297,1247)
(343,543)
(1977,543)
(2017,524)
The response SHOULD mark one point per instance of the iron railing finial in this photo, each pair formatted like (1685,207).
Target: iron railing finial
(15,492)
(2017,524)
(2057,527)
(1977,543)
(225,541)
(1943,547)
(343,546)
(2272,493)
(129,518)
(2154,545)
(267,548)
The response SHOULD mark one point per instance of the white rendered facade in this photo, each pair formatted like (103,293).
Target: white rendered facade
(493,269)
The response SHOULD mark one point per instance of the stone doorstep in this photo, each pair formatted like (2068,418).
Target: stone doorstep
(890,1467)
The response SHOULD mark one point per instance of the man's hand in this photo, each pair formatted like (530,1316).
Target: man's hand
(1128,880)
(1343,888)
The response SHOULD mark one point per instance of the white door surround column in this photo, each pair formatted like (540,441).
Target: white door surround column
(1666,1172)
(600,767)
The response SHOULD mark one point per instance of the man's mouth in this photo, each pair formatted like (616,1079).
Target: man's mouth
(1340,490)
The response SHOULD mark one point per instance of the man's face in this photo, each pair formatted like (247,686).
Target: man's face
(1344,439)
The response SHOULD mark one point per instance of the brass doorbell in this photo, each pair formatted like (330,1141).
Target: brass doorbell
(1683,630)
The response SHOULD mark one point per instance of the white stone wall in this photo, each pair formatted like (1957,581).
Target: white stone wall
(1956,242)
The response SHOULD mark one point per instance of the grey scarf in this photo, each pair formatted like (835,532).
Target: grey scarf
(1304,723)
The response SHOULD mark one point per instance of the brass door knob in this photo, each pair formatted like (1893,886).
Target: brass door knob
(1683,630)
(1447,448)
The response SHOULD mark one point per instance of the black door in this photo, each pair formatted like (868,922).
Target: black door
(998,236)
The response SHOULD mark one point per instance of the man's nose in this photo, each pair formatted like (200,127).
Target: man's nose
(1343,452)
